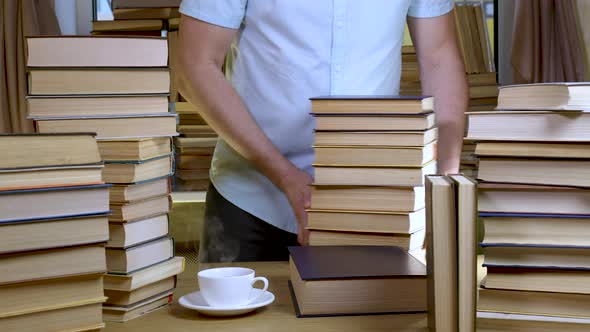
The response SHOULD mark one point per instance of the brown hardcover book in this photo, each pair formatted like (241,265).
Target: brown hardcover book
(174,23)
(375,156)
(407,242)
(466,202)
(378,138)
(137,210)
(324,283)
(57,202)
(545,96)
(483,91)
(46,177)
(96,51)
(366,198)
(137,149)
(123,193)
(66,106)
(87,317)
(572,258)
(371,105)
(373,176)
(36,150)
(52,263)
(193,161)
(116,4)
(72,81)
(125,313)
(124,298)
(29,297)
(478,79)
(193,174)
(121,127)
(441,254)
(137,171)
(352,122)
(530,126)
(132,281)
(145,13)
(192,185)
(134,258)
(127,25)
(535,171)
(196,131)
(534,303)
(123,235)
(537,280)
(497,321)
(365,222)
(534,150)
(512,198)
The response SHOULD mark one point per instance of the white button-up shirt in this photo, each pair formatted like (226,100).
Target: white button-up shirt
(290,51)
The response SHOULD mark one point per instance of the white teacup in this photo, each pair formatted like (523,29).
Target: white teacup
(229,286)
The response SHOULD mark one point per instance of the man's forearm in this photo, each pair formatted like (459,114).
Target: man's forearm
(444,79)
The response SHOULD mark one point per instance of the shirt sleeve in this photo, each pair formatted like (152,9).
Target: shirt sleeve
(430,8)
(225,13)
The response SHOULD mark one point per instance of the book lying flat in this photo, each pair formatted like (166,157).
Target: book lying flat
(121,127)
(367,198)
(143,277)
(145,13)
(544,96)
(44,150)
(138,210)
(497,321)
(45,177)
(137,149)
(124,298)
(407,242)
(537,280)
(124,235)
(29,297)
(502,197)
(124,193)
(565,258)
(533,150)
(52,263)
(118,4)
(194,161)
(375,156)
(325,283)
(366,221)
(127,25)
(85,317)
(126,313)
(350,122)
(134,258)
(374,138)
(371,104)
(54,202)
(67,106)
(53,233)
(373,176)
(96,51)
(132,171)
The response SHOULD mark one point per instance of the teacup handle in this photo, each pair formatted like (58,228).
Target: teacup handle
(265,281)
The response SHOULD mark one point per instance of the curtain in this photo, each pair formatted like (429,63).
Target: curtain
(547,45)
(19,18)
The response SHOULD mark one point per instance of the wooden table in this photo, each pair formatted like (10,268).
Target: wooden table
(277,317)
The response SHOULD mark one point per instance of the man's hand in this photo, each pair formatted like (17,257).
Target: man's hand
(296,184)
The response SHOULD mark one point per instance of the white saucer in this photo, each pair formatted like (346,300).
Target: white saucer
(195,301)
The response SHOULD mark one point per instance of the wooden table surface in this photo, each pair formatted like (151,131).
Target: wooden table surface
(277,317)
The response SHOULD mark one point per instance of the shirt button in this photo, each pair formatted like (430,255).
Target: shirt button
(339,24)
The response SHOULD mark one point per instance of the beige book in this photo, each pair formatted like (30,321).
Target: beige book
(373,176)
(382,122)
(535,171)
(371,105)
(114,128)
(477,79)
(141,278)
(367,198)
(194,161)
(545,96)
(365,222)
(96,82)
(123,193)
(139,256)
(87,51)
(137,210)
(539,257)
(123,172)
(441,254)
(52,263)
(483,91)
(35,150)
(51,177)
(138,149)
(375,156)
(531,150)
(375,138)
(123,298)
(145,13)
(46,234)
(466,202)
(79,318)
(534,303)
(67,106)
(127,25)
(123,235)
(537,280)
(497,321)
(331,238)
(29,297)
(124,314)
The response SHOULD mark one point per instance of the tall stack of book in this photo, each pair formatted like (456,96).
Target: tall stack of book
(535,205)
(371,157)
(116,87)
(194,149)
(53,227)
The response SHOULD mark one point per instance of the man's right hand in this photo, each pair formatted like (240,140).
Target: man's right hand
(296,184)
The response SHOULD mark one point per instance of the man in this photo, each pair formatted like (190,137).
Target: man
(289,51)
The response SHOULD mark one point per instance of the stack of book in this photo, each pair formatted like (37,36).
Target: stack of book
(371,157)
(535,206)
(116,87)
(140,17)
(53,226)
